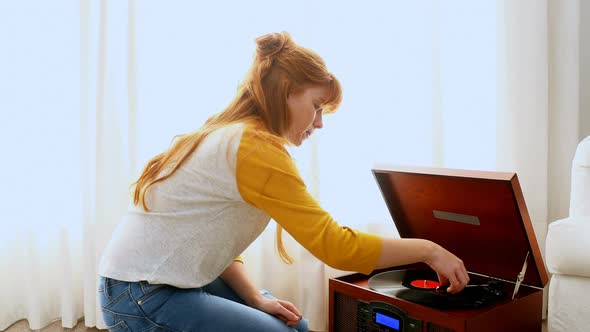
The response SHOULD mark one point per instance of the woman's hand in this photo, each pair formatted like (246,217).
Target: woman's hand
(283,310)
(449,268)
(235,276)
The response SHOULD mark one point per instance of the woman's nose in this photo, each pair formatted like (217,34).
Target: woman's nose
(317,122)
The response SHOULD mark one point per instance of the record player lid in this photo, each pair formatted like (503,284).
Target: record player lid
(479,216)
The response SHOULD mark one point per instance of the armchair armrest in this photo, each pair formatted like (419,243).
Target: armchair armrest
(567,249)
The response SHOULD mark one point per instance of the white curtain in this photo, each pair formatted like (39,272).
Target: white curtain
(90,92)
(108,104)
(65,106)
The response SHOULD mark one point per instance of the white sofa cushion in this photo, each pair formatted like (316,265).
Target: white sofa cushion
(568,304)
(567,248)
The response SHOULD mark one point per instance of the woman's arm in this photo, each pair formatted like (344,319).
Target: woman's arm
(269,180)
(236,278)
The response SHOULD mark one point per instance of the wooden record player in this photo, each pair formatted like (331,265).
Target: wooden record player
(479,216)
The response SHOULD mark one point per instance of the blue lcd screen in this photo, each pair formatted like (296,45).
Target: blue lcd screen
(387,321)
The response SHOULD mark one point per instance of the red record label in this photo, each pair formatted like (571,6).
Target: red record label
(425,284)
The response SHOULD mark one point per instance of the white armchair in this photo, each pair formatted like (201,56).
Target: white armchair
(567,253)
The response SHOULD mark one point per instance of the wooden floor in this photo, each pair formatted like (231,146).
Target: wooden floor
(23,326)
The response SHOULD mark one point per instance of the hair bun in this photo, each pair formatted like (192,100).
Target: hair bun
(272,44)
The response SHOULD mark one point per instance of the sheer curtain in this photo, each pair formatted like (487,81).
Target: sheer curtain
(91,92)
(41,169)
(65,105)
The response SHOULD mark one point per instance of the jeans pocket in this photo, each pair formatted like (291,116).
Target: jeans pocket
(110,303)
(119,327)
(149,290)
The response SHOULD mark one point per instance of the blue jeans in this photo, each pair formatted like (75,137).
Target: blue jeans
(142,307)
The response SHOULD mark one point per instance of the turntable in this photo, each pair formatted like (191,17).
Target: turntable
(479,216)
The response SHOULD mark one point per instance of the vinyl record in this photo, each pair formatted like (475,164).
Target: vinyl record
(387,282)
(419,286)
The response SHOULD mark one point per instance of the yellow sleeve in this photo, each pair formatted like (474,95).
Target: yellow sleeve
(268,179)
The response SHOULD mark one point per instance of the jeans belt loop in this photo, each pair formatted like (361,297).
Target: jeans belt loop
(107,286)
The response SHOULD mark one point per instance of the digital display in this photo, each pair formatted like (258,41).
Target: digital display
(387,321)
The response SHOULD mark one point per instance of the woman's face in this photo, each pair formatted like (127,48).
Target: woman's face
(305,112)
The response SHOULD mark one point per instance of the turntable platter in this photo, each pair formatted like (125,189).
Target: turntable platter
(401,284)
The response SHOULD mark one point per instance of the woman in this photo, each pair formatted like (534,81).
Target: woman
(171,263)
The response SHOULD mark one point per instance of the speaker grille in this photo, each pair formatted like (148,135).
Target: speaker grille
(345,313)
(438,328)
